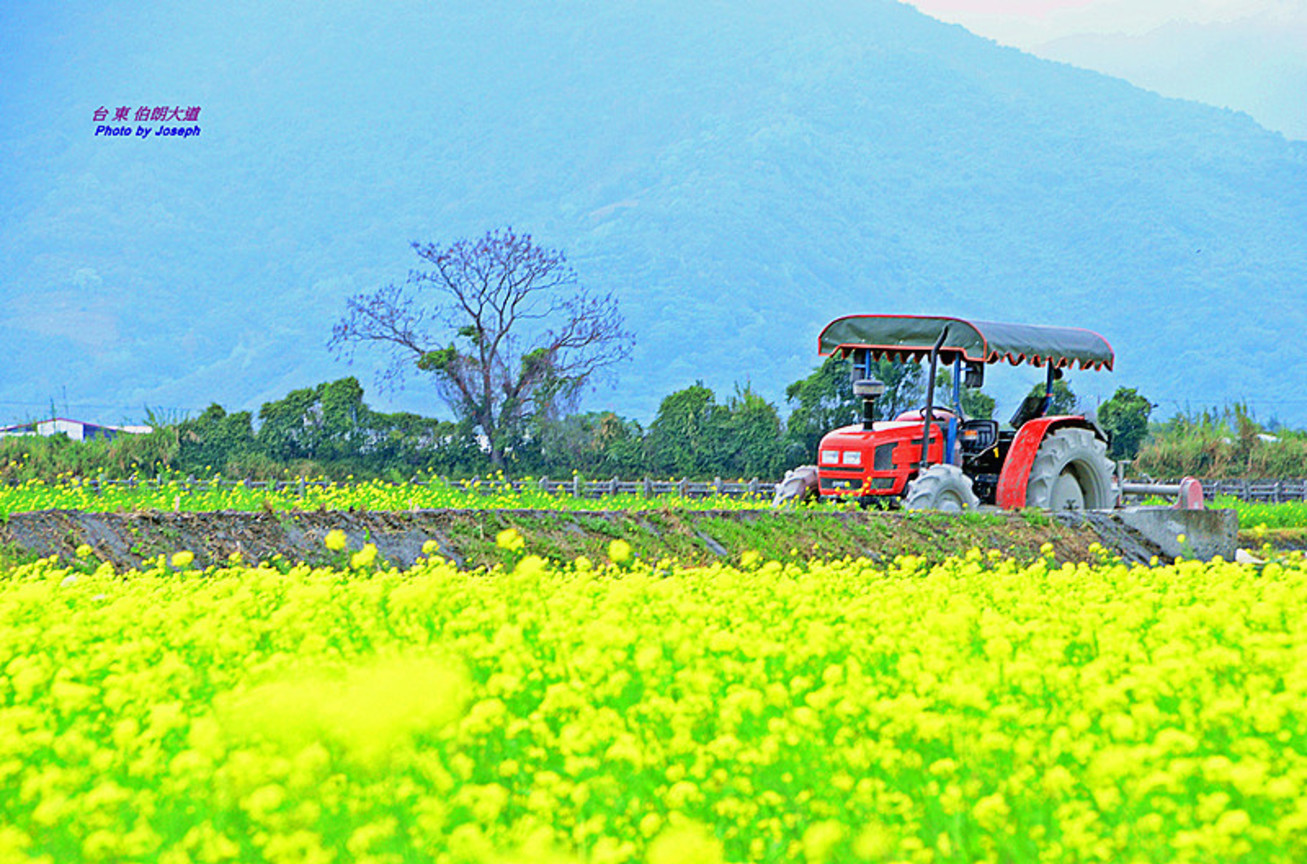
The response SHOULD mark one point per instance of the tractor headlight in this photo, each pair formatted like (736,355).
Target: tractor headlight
(830,457)
(852,457)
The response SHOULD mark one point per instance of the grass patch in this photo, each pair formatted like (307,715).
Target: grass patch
(1037,518)
(1290,514)
(12,555)
(1278,538)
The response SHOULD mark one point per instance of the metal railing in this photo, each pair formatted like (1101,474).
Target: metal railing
(1269,491)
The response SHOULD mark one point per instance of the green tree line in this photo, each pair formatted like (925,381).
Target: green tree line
(329,430)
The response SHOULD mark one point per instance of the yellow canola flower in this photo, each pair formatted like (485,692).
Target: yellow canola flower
(801,710)
(684,844)
(335,540)
(183,559)
(509,540)
(84,550)
(370,710)
(619,551)
(821,840)
(363,558)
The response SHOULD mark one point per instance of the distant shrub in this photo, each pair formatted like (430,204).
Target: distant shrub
(1221,443)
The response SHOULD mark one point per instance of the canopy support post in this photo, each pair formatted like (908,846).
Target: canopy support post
(930,400)
(951,440)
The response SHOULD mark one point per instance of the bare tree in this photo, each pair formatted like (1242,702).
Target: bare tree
(501,323)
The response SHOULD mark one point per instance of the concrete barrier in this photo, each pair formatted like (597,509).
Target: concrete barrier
(1207,533)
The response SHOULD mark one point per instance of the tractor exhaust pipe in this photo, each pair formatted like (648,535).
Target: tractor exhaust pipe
(868,389)
(930,401)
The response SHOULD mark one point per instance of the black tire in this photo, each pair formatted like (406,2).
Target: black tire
(1071,471)
(941,487)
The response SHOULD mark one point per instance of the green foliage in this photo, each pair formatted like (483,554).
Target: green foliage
(286,431)
(682,437)
(1195,444)
(1064,400)
(1285,457)
(905,388)
(328,430)
(1221,442)
(752,442)
(1125,417)
(207,442)
(597,444)
(330,424)
(1287,514)
(976,403)
(438,360)
(824,401)
(30,456)
(693,435)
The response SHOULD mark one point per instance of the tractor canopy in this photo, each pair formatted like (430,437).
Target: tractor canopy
(911,337)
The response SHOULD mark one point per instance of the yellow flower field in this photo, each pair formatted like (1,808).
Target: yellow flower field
(978,710)
(213,494)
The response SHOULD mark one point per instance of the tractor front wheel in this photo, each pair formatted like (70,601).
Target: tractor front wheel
(1071,471)
(941,487)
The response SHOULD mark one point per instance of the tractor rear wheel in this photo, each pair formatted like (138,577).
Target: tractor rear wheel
(1071,471)
(941,487)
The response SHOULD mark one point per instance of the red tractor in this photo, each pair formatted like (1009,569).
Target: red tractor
(937,458)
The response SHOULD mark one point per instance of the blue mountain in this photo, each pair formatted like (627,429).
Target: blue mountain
(736,173)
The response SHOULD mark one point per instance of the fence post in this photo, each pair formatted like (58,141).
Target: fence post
(753,488)
(612,485)
(577,485)
(683,487)
(648,488)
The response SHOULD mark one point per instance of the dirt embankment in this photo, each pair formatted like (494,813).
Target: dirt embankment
(467,537)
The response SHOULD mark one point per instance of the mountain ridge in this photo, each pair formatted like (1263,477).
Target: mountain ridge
(736,175)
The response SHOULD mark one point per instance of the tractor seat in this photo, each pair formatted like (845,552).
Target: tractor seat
(1030,408)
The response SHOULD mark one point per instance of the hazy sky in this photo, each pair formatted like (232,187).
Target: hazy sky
(1029,22)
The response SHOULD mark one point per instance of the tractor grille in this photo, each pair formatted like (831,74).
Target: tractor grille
(885,457)
(856,484)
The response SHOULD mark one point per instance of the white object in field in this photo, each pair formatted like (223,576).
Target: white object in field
(797,484)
